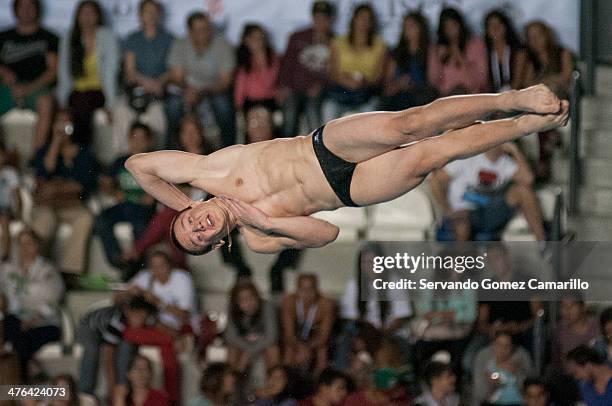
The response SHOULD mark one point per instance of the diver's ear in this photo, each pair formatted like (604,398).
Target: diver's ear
(218,245)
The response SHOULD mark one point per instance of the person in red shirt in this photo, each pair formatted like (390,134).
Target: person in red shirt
(332,390)
(139,391)
(255,84)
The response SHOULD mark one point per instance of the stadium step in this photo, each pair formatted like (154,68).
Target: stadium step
(596,171)
(592,227)
(598,142)
(603,80)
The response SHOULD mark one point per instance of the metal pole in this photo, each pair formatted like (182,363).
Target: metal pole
(574,151)
(588,30)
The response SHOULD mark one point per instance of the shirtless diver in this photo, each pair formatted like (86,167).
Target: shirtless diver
(269,189)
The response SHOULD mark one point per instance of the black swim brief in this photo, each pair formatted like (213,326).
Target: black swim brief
(337,171)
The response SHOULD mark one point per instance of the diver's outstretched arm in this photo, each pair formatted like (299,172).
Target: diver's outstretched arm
(157,172)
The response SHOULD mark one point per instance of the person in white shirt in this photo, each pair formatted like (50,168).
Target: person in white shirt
(30,291)
(172,291)
(480,195)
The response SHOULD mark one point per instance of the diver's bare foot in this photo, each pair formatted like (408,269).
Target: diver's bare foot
(535,99)
(532,123)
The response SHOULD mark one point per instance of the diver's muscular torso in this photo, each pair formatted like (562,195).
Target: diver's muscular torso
(281,177)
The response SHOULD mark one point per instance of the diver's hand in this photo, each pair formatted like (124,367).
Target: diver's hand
(247,214)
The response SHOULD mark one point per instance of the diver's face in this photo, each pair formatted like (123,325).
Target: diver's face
(202,225)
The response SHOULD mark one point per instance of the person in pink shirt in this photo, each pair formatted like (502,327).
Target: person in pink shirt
(255,87)
(458,62)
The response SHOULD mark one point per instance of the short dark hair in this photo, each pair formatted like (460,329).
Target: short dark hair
(177,244)
(138,302)
(156,3)
(324,7)
(534,381)
(212,378)
(162,254)
(304,276)
(435,369)
(193,17)
(604,318)
(33,234)
(139,125)
(37,6)
(583,354)
(330,375)
(139,357)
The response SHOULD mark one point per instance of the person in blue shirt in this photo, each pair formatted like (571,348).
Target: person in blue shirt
(145,53)
(589,367)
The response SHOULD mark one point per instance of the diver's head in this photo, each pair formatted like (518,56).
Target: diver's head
(202,227)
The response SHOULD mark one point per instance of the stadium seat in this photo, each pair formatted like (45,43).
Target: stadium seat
(18,129)
(351,220)
(407,218)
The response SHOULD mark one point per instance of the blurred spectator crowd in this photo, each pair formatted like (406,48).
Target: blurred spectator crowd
(199,94)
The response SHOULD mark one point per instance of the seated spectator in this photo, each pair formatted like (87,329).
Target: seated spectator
(66,175)
(444,319)
(259,124)
(280,389)
(506,55)
(516,318)
(406,73)
(332,389)
(575,328)
(480,195)
(439,382)
(88,68)
(499,371)
(302,74)
(145,53)
(550,63)
(595,376)
(105,327)
(139,390)
(218,385)
(134,205)
(256,81)
(307,318)
(386,381)
(28,67)
(73,398)
(458,62)
(202,66)
(356,67)
(251,330)
(191,139)
(365,318)
(30,292)
(172,292)
(10,201)
(603,343)
(535,393)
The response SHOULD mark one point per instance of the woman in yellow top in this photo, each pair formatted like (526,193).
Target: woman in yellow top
(89,63)
(356,67)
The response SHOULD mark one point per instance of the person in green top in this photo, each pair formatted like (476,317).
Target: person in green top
(133,205)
